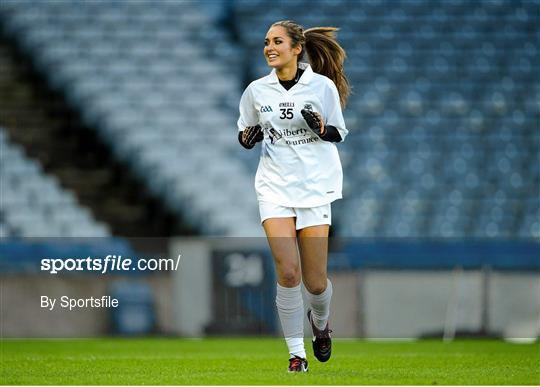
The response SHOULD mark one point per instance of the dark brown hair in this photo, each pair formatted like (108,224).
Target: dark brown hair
(325,54)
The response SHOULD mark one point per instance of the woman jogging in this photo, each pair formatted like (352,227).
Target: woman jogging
(295,112)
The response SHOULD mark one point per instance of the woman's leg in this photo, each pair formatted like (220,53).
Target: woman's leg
(281,234)
(313,245)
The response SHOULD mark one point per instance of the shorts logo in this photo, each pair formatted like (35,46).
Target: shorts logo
(325,216)
(266,109)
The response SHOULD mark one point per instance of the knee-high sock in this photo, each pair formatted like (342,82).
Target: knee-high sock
(290,308)
(320,306)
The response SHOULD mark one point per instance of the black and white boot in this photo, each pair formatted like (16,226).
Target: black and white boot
(322,342)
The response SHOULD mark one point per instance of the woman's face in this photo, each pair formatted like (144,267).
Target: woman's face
(277,48)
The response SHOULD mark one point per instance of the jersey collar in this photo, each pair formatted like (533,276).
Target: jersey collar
(304,79)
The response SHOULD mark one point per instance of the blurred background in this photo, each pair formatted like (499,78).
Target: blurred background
(118,134)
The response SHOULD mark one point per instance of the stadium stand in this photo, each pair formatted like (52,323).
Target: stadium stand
(442,163)
(34,204)
(52,133)
(444,117)
(136,76)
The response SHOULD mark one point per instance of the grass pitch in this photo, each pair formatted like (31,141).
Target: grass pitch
(263,361)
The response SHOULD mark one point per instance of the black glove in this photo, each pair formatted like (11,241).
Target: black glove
(251,135)
(313,120)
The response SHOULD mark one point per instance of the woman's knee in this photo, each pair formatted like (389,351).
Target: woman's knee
(317,286)
(289,275)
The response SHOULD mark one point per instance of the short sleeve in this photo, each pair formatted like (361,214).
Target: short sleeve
(248,113)
(332,110)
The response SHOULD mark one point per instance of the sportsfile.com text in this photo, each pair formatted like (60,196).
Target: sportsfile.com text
(110,263)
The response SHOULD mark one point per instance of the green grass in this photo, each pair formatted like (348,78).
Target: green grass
(263,361)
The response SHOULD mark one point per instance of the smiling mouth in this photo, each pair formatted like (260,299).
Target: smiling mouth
(273,56)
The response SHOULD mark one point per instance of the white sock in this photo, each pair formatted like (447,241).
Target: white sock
(290,308)
(320,306)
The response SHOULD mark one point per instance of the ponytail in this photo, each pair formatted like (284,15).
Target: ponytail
(326,57)
(325,54)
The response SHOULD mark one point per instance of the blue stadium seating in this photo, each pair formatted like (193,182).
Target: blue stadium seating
(444,118)
(138,76)
(34,205)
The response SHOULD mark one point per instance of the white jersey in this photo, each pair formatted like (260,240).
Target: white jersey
(296,168)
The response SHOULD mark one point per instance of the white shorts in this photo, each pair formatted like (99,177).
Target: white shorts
(305,217)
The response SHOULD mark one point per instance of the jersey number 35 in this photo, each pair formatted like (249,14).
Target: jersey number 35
(286,114)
